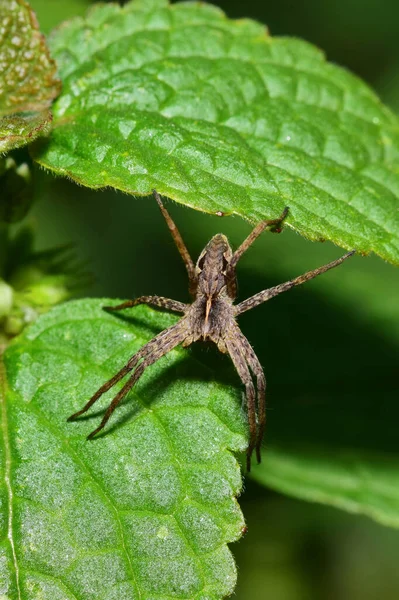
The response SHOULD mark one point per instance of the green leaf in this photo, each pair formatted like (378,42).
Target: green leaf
(356,480)
(218,115)
(29,82)
(144,511)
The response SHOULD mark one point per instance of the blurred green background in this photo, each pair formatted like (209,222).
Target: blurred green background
(336,337)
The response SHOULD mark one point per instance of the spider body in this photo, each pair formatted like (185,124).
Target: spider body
(212,309)
(210,317)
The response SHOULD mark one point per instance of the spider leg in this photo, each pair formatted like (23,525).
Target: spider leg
(234,348)
(104,388)
(255,233)
(169,339)
(158,301)
(283,287)
(161,344)
(256,368)
(181,246)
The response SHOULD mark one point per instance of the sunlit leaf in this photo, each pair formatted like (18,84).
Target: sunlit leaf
(144,511)
(220,116)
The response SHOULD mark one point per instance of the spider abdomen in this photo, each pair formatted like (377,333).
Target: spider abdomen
(209,318)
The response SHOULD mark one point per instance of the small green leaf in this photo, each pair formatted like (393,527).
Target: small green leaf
(356,480)
(29,82)
(218,115)
(144,511)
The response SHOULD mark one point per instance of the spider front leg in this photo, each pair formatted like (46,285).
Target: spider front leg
(157,301)
(234,348)
(180,245)
(276,224)
(288,285)
(150,353)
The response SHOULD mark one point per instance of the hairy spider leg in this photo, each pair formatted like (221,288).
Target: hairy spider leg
(256,368)
(157,301)
(181,246)
(255,233)
(105,387)
(236,355)
(265,295)
(160,345)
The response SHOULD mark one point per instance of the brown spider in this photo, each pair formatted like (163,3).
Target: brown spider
(211,316)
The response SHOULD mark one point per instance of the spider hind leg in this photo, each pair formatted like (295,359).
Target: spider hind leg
(256,368)
(234,348)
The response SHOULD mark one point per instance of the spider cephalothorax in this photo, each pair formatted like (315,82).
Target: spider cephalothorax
(211,316)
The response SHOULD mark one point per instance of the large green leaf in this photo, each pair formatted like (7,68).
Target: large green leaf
(218,115)
(144,511)
(28,77)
